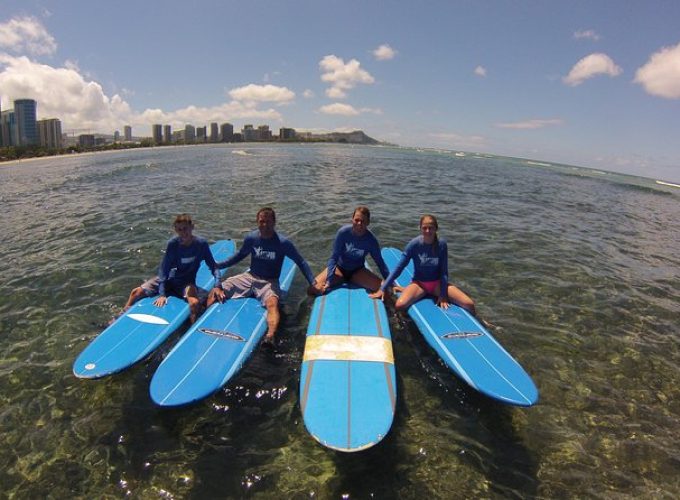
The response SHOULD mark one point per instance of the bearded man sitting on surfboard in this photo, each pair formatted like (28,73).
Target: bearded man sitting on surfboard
(267,250)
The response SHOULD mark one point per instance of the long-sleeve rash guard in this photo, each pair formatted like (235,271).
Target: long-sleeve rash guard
(350,250)
(428,265)
(266,256)
(180,263)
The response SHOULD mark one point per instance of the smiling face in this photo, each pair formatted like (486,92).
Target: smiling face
(359,224)
(361,218)
(428,228)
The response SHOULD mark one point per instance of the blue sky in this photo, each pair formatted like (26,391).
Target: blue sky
(589,83)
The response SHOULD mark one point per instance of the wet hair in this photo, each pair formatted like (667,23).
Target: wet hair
(268,211)
(435,242)
(183,219)
(363,210)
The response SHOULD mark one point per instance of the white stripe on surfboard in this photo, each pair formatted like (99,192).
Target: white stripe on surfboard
(148,318)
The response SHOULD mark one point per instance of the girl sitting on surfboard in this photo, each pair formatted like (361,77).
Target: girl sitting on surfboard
(430,261)
(353,242)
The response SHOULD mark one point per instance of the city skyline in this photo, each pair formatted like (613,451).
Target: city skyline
(593,84)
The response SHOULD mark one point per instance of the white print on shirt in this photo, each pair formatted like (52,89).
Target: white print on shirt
(428,261)
(264,255)
(350,249)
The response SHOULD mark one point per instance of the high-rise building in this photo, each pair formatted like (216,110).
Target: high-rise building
(214,133)
(167,134)
(264,134)
(249,133)
(201,134)
(116,137)
(9,129)
(157,133)
(286,133)
(26,123)
(189,134)
(226,132)
(127,133)
(49,132)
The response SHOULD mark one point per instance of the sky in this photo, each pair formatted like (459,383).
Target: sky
(589,83)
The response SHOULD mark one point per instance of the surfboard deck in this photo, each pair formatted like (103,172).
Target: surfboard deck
(142,328)
(214,349)
(348,388)
(466,347)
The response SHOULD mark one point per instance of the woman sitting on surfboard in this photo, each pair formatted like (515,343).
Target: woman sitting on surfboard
(430,260)
(348,261)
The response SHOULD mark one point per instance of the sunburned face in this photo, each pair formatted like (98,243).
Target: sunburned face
(359,223)
(184,231)
(265,223)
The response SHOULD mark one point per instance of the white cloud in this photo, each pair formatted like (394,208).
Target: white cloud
(341,76)
(82,104)
(26,35)
(262,93)
(347,110)
(384,53)
(660,76)
(530,124)
(590,66)
(308,94)
(480,71)
(339,109)
(586,35)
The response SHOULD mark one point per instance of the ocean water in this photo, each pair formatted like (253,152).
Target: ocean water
(579,270)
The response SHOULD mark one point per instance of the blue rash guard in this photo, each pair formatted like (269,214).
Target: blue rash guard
(350,250)
(180,264)
(266,256)
(428,265)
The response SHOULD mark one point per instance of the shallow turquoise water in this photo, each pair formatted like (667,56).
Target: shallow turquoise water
(578,269)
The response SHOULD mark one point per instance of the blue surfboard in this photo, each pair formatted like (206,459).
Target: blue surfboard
(466,347)
(348,387)
(142,328)
(214,349)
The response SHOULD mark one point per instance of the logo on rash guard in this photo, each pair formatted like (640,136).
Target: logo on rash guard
(263,254)
(188,260)
(350,249)
(428,261)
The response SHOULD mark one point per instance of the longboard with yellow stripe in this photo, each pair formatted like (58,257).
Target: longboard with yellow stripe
(348,386)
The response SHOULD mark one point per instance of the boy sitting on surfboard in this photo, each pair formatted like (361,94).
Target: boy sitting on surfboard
(177,272)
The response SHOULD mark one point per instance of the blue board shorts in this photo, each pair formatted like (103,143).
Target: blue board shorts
(249,285)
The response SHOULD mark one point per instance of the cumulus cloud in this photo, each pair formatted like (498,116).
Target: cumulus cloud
(339,109)
(262,93)
(82,104)
(586,35)
(591,66)
(531,124)
(660,76)
(480,71)
(308,94)
(342,76)
(26,35)
(384,53)
(346,110)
